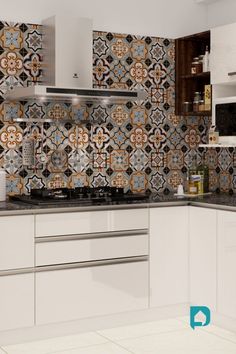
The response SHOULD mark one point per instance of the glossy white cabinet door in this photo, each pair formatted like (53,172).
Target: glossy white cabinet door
(16,301)
(64,295)
(202,256)
(16,242)
(168,256)
(227,263)
(223,54)
(128,219)
(71,223)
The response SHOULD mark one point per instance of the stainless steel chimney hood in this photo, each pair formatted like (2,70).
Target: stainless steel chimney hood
(68,66)
(74,95)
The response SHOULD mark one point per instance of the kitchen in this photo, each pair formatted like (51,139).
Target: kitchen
(89,260)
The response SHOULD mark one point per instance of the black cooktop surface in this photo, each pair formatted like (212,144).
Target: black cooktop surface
(80,195)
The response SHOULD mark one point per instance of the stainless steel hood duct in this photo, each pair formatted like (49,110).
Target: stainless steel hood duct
(68,66)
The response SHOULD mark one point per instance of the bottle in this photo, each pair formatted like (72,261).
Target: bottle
(213,135)
(193,166)
(192,172)
(192,188)
(205,63)
(203,170)
(194,184)
(196,100)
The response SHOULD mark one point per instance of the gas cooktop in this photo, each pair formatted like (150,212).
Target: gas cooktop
(80,195)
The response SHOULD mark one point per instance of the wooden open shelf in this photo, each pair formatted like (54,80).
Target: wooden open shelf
(197,76)
(202,113)
(186,84)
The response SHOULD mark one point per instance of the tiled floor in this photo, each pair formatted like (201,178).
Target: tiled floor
(160,337)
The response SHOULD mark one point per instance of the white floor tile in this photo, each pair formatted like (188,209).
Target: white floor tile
(184,319)
(56,344)
(223,333)
(143,329)
(108,348)
(181,342)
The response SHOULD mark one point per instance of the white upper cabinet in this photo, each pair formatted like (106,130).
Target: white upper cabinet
(223,54)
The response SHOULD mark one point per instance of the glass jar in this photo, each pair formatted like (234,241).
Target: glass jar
(187,107)
(197,96)
(195,184)
(196,106)
(201,106)
(196,66)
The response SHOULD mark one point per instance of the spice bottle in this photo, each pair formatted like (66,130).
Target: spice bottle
(196,66)
(196,101)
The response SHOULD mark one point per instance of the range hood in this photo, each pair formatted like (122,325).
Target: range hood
(68,66)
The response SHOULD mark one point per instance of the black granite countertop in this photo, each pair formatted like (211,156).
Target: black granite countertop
(218,201)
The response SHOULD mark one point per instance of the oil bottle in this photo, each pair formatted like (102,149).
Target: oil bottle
(203,170)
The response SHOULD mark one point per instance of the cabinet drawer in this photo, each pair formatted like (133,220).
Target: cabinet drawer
(16,301)
(87,249)
(16,242)
(71,223)
(90,222)
(128,219)
(64,295)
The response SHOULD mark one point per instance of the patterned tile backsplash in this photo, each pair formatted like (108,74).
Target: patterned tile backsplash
(137,147)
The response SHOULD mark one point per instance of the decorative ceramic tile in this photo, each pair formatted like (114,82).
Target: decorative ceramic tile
(138,145)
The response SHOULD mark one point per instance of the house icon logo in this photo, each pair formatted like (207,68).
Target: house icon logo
(200,316)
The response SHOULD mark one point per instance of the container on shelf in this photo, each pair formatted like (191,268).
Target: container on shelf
(196,101)
(201,106)
(203,171)
(195,184)
(187,107)
(207,97)
(206,62)
(196,66)
(213,135)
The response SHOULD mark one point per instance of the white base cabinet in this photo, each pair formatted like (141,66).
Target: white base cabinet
(70,294)
(16,301)
(16,242)
(227,263)
(202,256)
(168,256)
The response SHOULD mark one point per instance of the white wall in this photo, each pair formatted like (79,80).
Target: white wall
(221,13)
(164,18)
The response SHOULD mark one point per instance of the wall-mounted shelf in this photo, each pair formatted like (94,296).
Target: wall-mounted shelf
(202,113)
(197,76)
(186,48)
(217,145)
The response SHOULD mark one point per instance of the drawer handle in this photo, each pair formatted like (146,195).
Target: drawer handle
(40,269)
(91,236)
(91,264)
(19,271)
(232,73)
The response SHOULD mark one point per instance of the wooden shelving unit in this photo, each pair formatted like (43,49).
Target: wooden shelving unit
(186,49)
